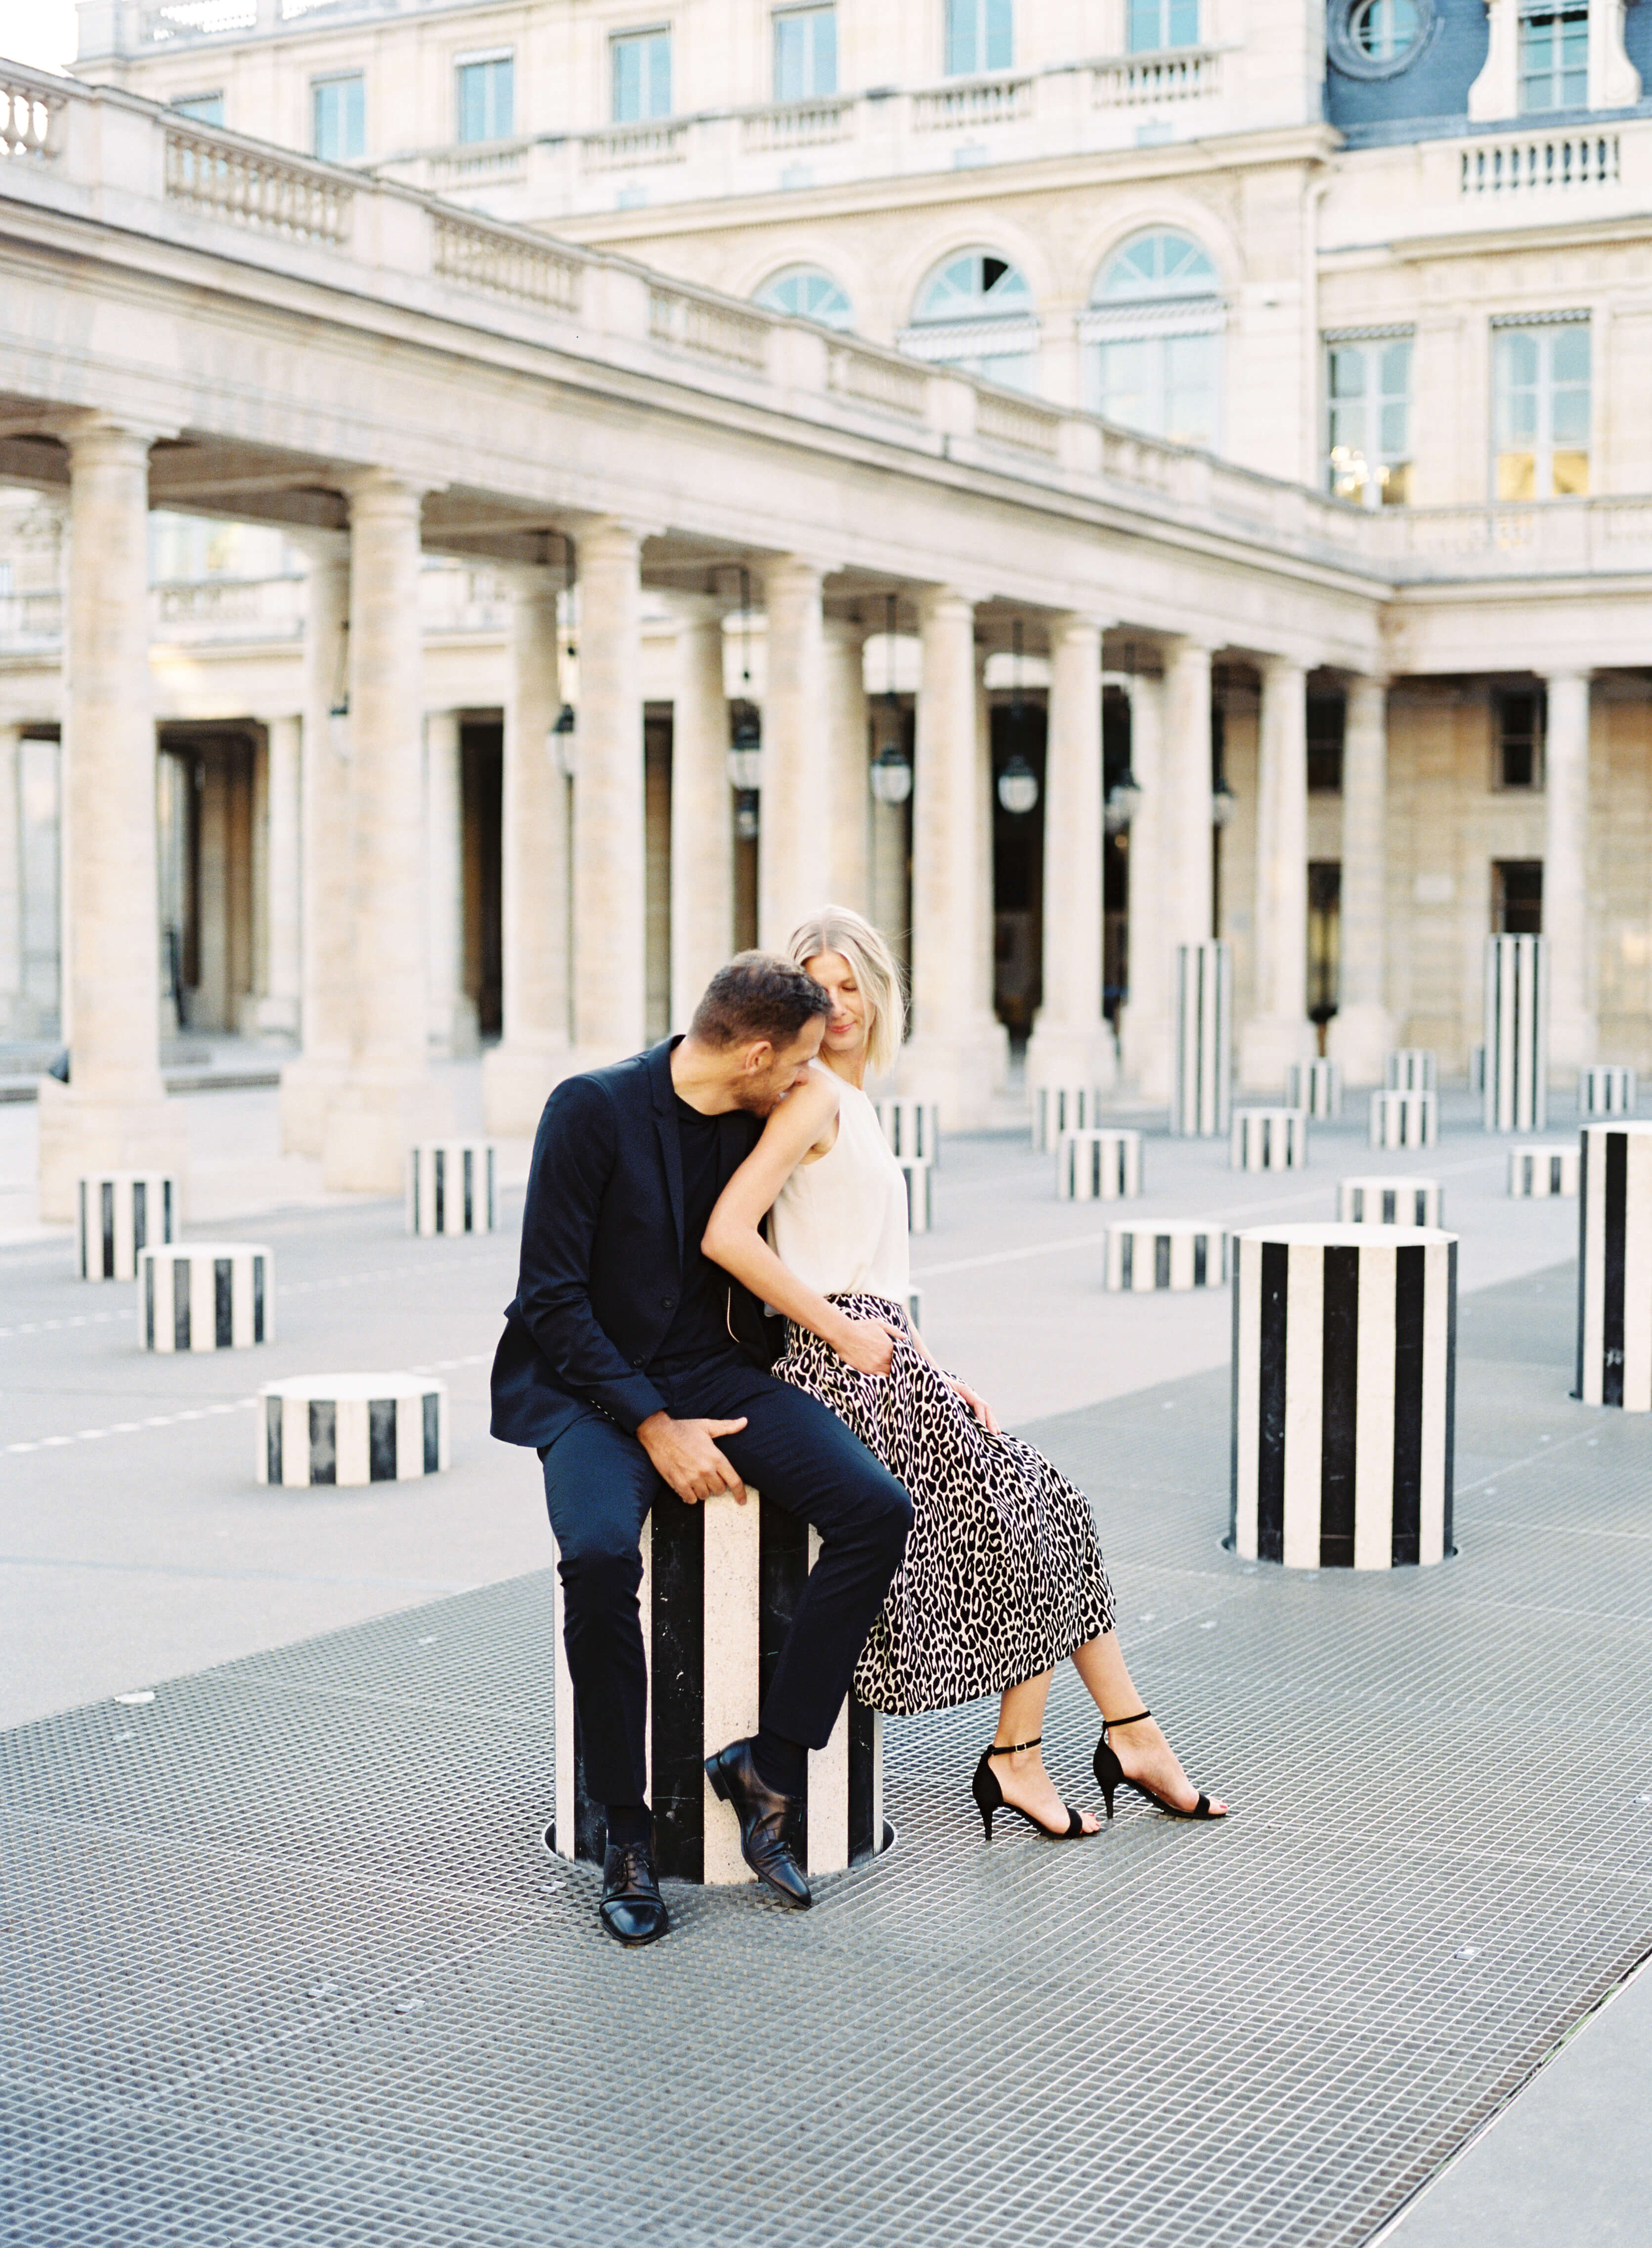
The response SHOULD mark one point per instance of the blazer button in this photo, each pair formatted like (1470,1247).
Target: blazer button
(667,1301)
(637,1362)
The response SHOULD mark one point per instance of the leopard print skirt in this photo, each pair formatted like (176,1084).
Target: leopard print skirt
(1003,1576)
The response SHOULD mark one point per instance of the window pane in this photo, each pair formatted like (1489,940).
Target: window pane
(1184,23)
(791,34)
(805,53)
(1126,383)
(1571,474)
(1000,40)
(641,77)
(1189,387)
(1347,371)
(825,80)
(1517,475)
(485,99)
(1571,353)
(205,108)
(964,36)
(1145,36)
(340,111)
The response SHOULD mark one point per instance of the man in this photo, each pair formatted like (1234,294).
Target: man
(618,1365)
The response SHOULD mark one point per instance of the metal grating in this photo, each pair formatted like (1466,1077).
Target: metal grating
(283,1962)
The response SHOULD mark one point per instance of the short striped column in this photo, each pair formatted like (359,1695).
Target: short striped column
(914,1169)
(720,1584)
(1412,1069)
(1315,1087)
(351,1428)
(450,1187)
(1405,1120)
(1059,1108)
(1344,1388)
(118,1213)
(1537,1173)
(1388,1202)
(1517,1033)
(1098,1166)
(1203,1095)
(1606,1089)
(205,1295)
(1615,1276)
(1269,1140)
(912,1127)
(1176,1253)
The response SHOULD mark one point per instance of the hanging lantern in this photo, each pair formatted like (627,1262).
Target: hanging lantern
(1124,801)
(1224,804)
(562,742)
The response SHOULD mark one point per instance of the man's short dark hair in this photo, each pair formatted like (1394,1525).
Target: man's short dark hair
(757,995)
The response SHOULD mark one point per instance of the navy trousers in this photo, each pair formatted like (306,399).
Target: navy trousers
(599,1486)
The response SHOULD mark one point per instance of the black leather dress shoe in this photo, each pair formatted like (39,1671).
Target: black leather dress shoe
(733,1775)
(632,1911)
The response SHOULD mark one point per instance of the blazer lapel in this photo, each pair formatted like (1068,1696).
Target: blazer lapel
(665,1120)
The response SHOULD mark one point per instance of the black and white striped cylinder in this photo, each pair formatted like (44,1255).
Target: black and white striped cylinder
(1175,1253)
(912,1127)
(1476,1069)
(450,1187)
(1059,1108)
(1412,1069)
(1615,1261)
(119,1213)
(1606,1089)
(1098,1166)
(720,1584)
(351,1428)
(1535,1174)
(1344,1388)
(914,1169)
(915,1307)
(1315,1087)
(1405,1120)
(1517,1033)
(205,1295)
(1388,1202)
(1203,1093)
(1269,1140)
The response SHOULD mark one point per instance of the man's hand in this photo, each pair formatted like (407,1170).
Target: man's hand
(867,1344)
(683,1452)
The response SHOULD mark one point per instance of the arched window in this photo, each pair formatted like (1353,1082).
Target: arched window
(1153,339)
(976,312)
(806,291)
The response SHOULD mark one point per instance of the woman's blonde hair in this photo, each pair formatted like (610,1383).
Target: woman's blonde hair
(840,929)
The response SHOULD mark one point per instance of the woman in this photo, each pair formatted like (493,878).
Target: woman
(1003,1577)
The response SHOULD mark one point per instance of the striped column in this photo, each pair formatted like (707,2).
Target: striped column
(205,1295)
(916,1171)
(1615,1267)
(118,1214)
(912,1127)
(1412,1069)
(1605,1089)
(1269,1140)
(351,1428)
(1388,1202)
(1098,1166)
(720,1584)
(1201,1097)
(1059,1108)
(1344,1385)
(1315,1087)
(1476,1069)
(1405,1120)
(1517,1033)
(450,1187)
(1537,1173)
(1176,1253)
(915,1307)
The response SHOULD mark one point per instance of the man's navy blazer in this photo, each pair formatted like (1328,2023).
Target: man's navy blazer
(602,1247)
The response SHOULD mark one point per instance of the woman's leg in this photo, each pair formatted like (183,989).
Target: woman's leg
(1142,1749)
(1023,1777)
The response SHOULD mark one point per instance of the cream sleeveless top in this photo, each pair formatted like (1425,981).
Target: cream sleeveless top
(840,1222)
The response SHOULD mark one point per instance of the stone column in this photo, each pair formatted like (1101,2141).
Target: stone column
(1279,1032)
(388,1099)
(1566,872)
(1071,1043)
(792,848)
(113,1114)
(608,982)
(848,861)
(278,1011)
(702,813)
(11,882)
(325,955)
(1145,1020)
(1362,1030)
(1186,832)
(533,1048)
(957,1053)
(452,1014)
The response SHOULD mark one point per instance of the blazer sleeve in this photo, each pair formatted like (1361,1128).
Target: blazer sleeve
(574,1158)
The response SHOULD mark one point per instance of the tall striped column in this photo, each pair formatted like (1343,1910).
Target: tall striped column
(1203,1093)
(1344,1383)
(720,1584)
(1517,1033)
(1615,1267)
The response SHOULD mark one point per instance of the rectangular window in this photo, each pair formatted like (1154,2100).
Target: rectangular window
(1517,897)
(1157,24)
(1540,411)
(1328,717)
(339,118)
(487,98)
(1167,385)
(205,108)
(641,76)
(1554,58)
(805,53)
(980,35)
(1519,718)
(1367,385)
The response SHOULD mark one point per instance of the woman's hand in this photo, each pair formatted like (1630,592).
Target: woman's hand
(867,1344)
(983,1412)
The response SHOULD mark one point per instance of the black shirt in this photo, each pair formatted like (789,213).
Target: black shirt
(700,1329)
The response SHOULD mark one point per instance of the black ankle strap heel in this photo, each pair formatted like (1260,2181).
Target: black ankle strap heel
(1111,1775)
(989,1797)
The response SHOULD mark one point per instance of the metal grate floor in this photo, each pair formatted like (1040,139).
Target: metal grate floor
(283,1962)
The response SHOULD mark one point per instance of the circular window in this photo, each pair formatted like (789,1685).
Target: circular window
(1377,38)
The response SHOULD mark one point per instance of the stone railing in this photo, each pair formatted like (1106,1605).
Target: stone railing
(454,598)
(226,608)
(30,619)
(30,117)
(211,172)
(1004,420)
(505,262)
(878,378)
(972,103)
(1537,539)
(708,326)
(797,125)
(1538,161)
(623,147)
(494,165)
(1182,74)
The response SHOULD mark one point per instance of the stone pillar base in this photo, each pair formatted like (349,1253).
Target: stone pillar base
(1058,1056)
(457,1034)
(309,1086)
(1146,1052)
(1359,1039)
(370,1128)
(1268,1045)
(81,1133)
(960,1073)
(517,1081)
